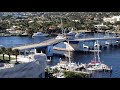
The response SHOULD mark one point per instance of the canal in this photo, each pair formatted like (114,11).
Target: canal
(111,57)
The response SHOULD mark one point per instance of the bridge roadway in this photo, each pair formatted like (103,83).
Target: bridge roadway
(41,44)
(55,41)
(93,39)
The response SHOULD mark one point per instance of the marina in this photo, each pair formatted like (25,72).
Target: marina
(60,45)
(79,57)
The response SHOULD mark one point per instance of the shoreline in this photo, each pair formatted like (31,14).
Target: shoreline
(86,31)
(52,35)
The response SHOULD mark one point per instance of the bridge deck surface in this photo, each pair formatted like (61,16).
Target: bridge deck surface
(41,44)
(55,41)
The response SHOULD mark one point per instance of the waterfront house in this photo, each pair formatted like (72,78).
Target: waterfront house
(112,19)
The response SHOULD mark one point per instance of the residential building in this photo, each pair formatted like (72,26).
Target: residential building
(112,19)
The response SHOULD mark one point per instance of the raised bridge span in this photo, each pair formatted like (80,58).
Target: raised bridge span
(48,42)
(54,41)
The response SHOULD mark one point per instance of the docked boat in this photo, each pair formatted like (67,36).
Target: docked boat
(60,36)
(107,43)
(40,34)
(70,66)
(96,64)
(24,34)
(49,60)
(80,35)
(7,35)
(71,33)
(85,47)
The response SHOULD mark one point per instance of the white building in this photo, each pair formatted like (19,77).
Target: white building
(33,69)
(76,20)
(112,19)
(100,26)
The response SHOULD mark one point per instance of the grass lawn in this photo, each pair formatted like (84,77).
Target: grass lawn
(6,58)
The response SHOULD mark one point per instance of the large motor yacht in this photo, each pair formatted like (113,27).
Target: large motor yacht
(60,36)
(40,34)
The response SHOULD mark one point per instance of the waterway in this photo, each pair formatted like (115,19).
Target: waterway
(111,57)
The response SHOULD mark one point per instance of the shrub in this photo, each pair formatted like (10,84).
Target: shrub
(69,74)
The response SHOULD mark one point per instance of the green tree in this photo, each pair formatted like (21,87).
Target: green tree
(117,23)
(70,74)
(9,52)
(30,31)
(16,53)
(3,51)
(118,26)
(0,51)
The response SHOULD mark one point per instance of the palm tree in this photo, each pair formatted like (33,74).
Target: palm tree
(9,52)
(0,52)
(16,53)
(3,51)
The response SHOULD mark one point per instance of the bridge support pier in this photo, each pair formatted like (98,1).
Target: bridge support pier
(72,46)
(25,53)
(49,50)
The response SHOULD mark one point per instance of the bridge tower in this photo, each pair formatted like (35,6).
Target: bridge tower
(72,45)
(79,45)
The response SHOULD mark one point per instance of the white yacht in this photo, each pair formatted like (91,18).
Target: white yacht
(39,34)
(24,34)
(71,33)
(60,36)
(107,43)
(80,35)
(49,60)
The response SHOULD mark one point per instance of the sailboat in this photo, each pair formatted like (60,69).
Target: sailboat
(96,64)
(66,65)
(71,66)
(95,61)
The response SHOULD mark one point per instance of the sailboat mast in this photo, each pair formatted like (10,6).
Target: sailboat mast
(94,55)
(95,52)
(98,51)
(69,51)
